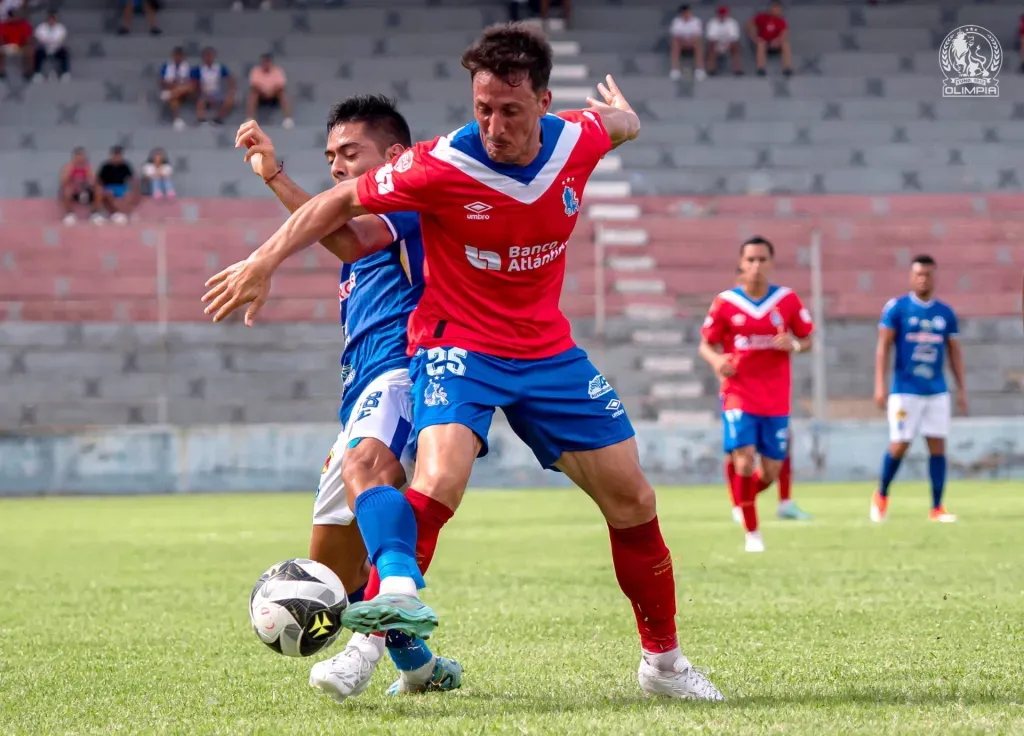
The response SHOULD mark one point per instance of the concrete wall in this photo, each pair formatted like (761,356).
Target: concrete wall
(125,460)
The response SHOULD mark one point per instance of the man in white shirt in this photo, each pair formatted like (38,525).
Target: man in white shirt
(687,33)
(176,84)
(723,34)
(50,38)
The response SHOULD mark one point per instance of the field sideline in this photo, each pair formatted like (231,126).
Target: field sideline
(128,615)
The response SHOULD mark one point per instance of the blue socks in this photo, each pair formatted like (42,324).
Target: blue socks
(388,525)
(890,465)
(937,474)
(406,652)
(356,595)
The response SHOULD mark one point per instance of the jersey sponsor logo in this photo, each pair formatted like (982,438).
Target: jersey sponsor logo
(754,342)
(615,407)
(371,402)
(385,180)
(926,338)
(346,287)
(570,200)
(404,162)
(434,394)
(348,375)
(737,319)
(939,323)
(598,386)
(520,257)
(485,260)
(477,210)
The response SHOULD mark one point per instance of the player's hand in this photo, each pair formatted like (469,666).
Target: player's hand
(245,282)
(724,367)
(260,154)
(783,341)
(961,403)
(613,99)
(880,398)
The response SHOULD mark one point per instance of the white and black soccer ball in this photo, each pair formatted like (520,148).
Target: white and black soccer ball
(296,607)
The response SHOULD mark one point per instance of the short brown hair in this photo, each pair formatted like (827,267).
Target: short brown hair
(509,51)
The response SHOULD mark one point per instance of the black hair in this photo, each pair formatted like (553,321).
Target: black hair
(512,52)
(380,115)
(116,149)
(683,8)
(758,240)
(178,50)
(924,259)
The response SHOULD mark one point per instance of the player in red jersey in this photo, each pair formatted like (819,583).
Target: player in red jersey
(499,199)
(758,325)
(787,508)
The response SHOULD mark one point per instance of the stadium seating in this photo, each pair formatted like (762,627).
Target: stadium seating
(858,146)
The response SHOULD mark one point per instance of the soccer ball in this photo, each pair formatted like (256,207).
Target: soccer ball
(296,607)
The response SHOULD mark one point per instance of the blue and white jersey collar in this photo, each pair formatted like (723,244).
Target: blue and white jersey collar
(464,150)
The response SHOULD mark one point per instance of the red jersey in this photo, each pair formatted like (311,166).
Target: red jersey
(494,235)
(746,328)
(15,32)
(769,27)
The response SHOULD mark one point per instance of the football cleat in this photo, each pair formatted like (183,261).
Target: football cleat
(942,516)
(754,542)
(683,681)
(879,507)
(447,675)
(391,612)
(789,510)
(346,674)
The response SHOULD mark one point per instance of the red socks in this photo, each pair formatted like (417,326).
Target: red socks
(744,488)
(730,480)
(431,515)
(759,483)
(643,567)
(785,480)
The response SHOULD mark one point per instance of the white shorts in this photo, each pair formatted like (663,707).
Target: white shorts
(383,412)
(911,415)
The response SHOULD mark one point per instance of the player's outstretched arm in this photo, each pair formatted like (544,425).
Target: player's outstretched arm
(321,215)
(956,364)
(617,115)
(362,237)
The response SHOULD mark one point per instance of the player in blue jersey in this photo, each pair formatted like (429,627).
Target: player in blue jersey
(920,329)
(381,284)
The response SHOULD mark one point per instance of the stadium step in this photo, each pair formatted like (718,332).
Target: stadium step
(621,236)
(614,212)
(677,417)
(565,48)
(573,94)
(645,312)
(609,164)
(657,337)
(676,390)
(631,263)
(566,72)
(667,364)
(608,189)
(639,286)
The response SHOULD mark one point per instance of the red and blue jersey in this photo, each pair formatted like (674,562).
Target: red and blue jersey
(746,329)
(377,294)
(494,234)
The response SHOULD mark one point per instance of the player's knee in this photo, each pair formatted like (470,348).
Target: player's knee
(444,484)
(637,505)
(743,462)
(898,449)
(370,464)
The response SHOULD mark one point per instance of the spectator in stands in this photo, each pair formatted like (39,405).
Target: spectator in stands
(770,34)
(266,89)
(76,185)
(687,32)
(723,34)
(216,88)
(546,5)
(16,39)
(130,6)
(157,172)
(7,7)
(176,84)
(239,5)
(116,189)
(50,38)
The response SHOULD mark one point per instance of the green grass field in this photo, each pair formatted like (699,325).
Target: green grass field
(127,615)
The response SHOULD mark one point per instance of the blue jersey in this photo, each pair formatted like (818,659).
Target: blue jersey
(922,330)
(377,295)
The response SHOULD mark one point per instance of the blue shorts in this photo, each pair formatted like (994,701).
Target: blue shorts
(769,435)
(555,405)
(116,190)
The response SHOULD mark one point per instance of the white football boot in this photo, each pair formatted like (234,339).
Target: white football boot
(348,673)
(754,543)
(682,681)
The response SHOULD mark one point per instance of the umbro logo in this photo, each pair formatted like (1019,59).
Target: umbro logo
(477,210)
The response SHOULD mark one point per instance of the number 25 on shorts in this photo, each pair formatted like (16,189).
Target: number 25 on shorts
(440,360)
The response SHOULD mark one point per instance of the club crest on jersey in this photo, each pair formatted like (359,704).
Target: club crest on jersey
(570,200)
(598,386)
(776,318)
(404,162)
(435,395)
